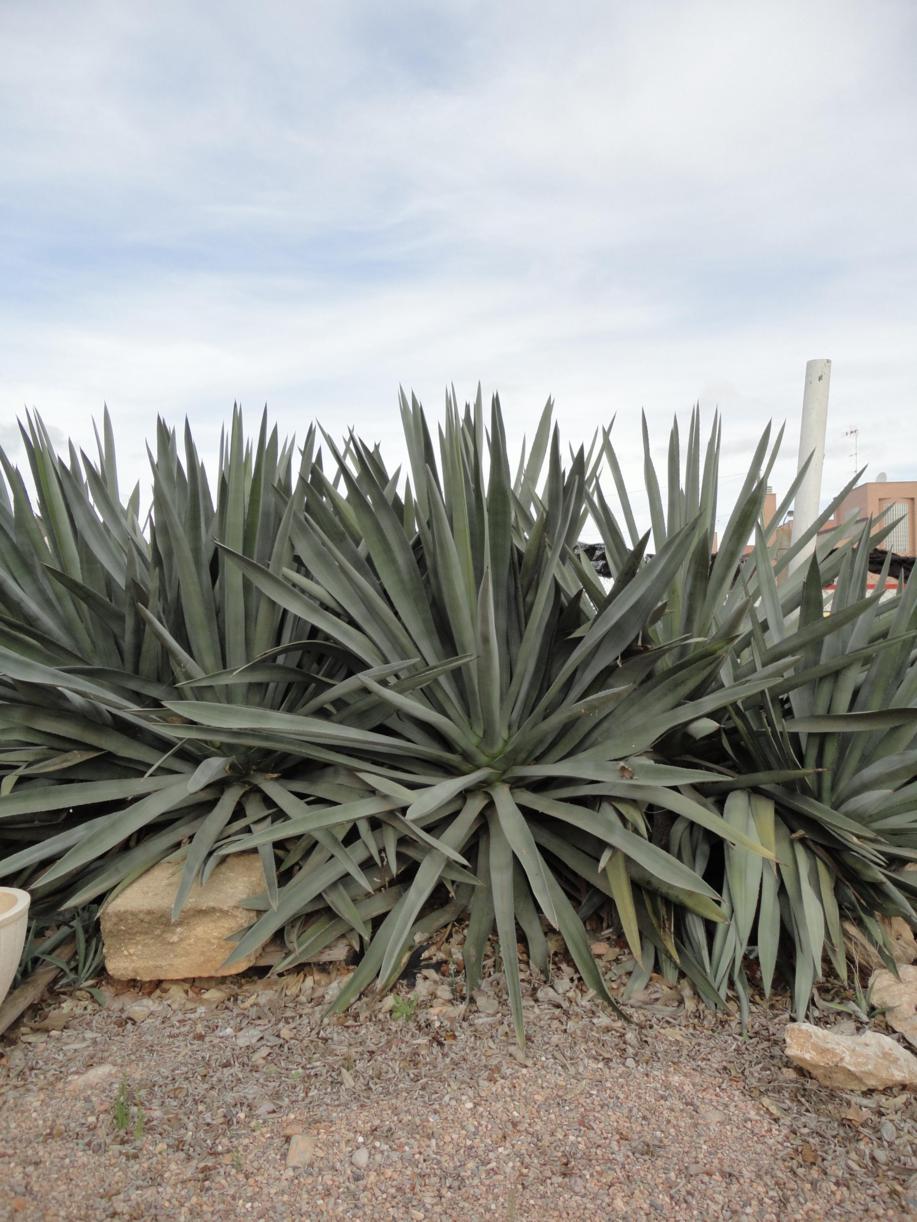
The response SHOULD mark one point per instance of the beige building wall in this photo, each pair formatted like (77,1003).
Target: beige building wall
(871,500)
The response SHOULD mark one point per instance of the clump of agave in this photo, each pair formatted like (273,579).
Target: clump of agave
(414,697)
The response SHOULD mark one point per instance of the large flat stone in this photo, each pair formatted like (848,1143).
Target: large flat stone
(901,941)
(901,936)
(869,1061)
(897,996)
(143,943)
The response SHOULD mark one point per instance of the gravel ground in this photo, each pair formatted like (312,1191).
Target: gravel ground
(193,1101)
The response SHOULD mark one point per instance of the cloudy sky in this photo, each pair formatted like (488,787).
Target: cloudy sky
(625,206)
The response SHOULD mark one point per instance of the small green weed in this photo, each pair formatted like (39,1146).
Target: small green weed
(127,1112)
(404,1008)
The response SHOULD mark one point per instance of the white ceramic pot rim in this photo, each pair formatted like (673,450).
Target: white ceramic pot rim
(20,904)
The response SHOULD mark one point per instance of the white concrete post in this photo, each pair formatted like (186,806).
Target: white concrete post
(811,441)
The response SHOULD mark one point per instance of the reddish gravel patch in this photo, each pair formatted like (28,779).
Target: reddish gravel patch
(432,1115)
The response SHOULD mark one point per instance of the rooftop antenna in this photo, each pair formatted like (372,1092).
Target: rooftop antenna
(854,435)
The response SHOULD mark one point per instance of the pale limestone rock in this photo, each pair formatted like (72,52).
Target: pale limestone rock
(339,950)
(850,1062)
(486,1002)
(897,996)
(901,936)
(301,1150)
(142,942)
(859,949)
(901,942)
(99,1075)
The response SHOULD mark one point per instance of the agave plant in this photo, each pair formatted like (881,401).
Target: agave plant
(828,807)
(844,827)
(415,699)
(526,760)
(103,620)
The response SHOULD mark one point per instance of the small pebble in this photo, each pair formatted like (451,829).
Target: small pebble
(486,1003)
(301,1150)
(549,996)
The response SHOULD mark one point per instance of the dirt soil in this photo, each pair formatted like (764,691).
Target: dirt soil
(232,1099)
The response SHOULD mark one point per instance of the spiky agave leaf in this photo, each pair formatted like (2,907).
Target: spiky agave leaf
(544,734)
(837,855)
(405,693)
(105,624)
(844,825)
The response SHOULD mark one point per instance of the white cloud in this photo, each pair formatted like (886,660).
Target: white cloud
(623,206)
